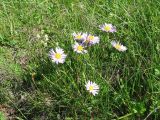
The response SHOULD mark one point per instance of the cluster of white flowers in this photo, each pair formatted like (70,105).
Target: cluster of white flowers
(85,38)
(82,41)
(110,28)
(43,37)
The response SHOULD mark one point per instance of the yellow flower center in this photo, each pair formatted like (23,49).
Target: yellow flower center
(90,88)
(78,36)
(58,55)
(118,46)
(107,28)
(79,48)
(90,37)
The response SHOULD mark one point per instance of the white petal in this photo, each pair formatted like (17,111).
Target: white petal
(61,61)
(123,48)
(113,43)
(56,61)
(85,51)
(88,84)
(84,35)
(94,93)
(51,51)
(74,34)
(59,50)
(64,55)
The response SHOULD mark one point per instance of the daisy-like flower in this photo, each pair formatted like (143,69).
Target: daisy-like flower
(57,56)
(79,36)
(91,39)
(118,46)
(79,48)
(108,28)
(92,87)
(46,37)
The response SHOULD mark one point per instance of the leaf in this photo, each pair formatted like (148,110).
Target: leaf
(2,117)
(157,72)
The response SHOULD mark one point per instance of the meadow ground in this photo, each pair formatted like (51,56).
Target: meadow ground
(32,87)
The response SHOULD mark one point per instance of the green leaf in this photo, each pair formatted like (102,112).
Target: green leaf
(2,117)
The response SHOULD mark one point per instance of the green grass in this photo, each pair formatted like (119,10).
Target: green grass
(38,89)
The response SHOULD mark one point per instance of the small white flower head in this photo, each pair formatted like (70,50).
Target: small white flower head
(79,36)
(92,87)
(108,28)
(79,48)
(46,37)
(91,39)
(57,56)
(38,36)
(42,32)
(118,46)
